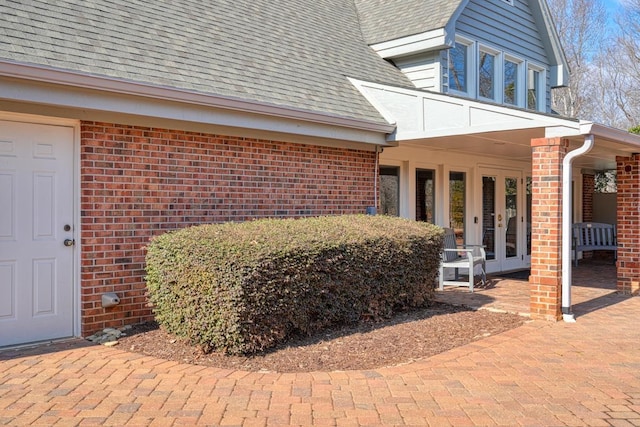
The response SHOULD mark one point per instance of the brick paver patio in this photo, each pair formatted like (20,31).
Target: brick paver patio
(542,374)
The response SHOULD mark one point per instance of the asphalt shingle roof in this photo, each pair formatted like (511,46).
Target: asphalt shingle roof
(291,53)
(385,20)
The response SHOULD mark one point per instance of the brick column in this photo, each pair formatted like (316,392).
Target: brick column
(628,180)
(545,280)
(588,187)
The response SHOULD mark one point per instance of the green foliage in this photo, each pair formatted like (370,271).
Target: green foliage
(245,287)
(635,129)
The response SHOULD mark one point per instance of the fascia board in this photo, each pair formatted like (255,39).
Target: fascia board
(423,42)
(87,104)
(613,134)
(105,84)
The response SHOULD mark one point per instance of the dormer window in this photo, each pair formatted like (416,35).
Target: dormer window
(461,57)
(535,83)
(487,73)
(458,67)
(479,71)
(511,82)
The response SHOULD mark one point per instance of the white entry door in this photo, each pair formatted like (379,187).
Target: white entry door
(36,232)
(503,220)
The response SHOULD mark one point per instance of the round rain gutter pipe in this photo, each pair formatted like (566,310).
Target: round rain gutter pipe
(567,234)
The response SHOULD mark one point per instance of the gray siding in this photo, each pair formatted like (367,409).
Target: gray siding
(510,28)
(424,70)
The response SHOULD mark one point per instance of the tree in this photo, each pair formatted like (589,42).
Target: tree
(626,62)
(581,27)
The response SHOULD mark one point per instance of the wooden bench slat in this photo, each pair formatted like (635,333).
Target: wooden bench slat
(593,236)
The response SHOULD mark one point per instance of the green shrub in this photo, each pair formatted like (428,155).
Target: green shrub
(245,287)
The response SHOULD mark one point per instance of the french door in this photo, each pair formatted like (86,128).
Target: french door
(503,220)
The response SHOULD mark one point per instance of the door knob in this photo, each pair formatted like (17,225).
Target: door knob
(69,242)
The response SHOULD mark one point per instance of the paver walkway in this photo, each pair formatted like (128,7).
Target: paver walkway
(542,374)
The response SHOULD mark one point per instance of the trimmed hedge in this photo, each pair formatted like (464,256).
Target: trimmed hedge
(245,287)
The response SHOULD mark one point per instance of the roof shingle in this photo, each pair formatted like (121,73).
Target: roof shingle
(385,20)
(294,53)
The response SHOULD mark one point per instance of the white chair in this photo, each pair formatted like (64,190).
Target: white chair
(461,257)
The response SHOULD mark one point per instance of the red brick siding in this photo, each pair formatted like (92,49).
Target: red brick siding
(588,188)
(140,182)
(546,228)
(628,228)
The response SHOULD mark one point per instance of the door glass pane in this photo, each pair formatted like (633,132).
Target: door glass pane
(457,206)
(511,216)
(425,195)
(389,190)
(529,199)
(488,215)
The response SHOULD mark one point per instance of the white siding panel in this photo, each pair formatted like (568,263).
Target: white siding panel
(424,70)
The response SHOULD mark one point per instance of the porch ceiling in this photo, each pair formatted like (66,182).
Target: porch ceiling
(516,145)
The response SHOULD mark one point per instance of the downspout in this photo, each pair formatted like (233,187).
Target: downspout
(567,234)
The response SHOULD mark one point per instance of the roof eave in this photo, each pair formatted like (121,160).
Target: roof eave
(613,134)
(439,38)
(560,67)
(86,81)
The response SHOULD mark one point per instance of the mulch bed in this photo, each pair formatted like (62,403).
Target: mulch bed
(402,339)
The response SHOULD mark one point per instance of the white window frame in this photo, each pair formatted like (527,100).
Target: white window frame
(470,69)
(520,80)
(498,91)
(542,87)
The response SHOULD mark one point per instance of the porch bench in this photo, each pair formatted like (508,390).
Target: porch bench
(593,236)
(465,257)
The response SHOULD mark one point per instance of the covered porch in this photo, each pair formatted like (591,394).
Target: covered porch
(594,286)
(550,164)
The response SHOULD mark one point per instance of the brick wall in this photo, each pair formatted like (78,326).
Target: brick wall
(140,182)
(546,228)
(628,228)
(588,188)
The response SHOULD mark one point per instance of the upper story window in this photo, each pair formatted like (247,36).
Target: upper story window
(483,72)
(535,83)
(459,67)
(487,73)
(511,81)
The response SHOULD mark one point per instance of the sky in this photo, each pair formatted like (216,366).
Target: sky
(613,7)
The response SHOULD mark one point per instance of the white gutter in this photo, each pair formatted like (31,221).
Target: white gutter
(567,234)
(114,85)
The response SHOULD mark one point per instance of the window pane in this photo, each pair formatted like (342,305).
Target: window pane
(425,195)
(488,215)
(510,83)
(511,214)
(458,67)
(389,190)
(486,74)
(457,204)
(533,89)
